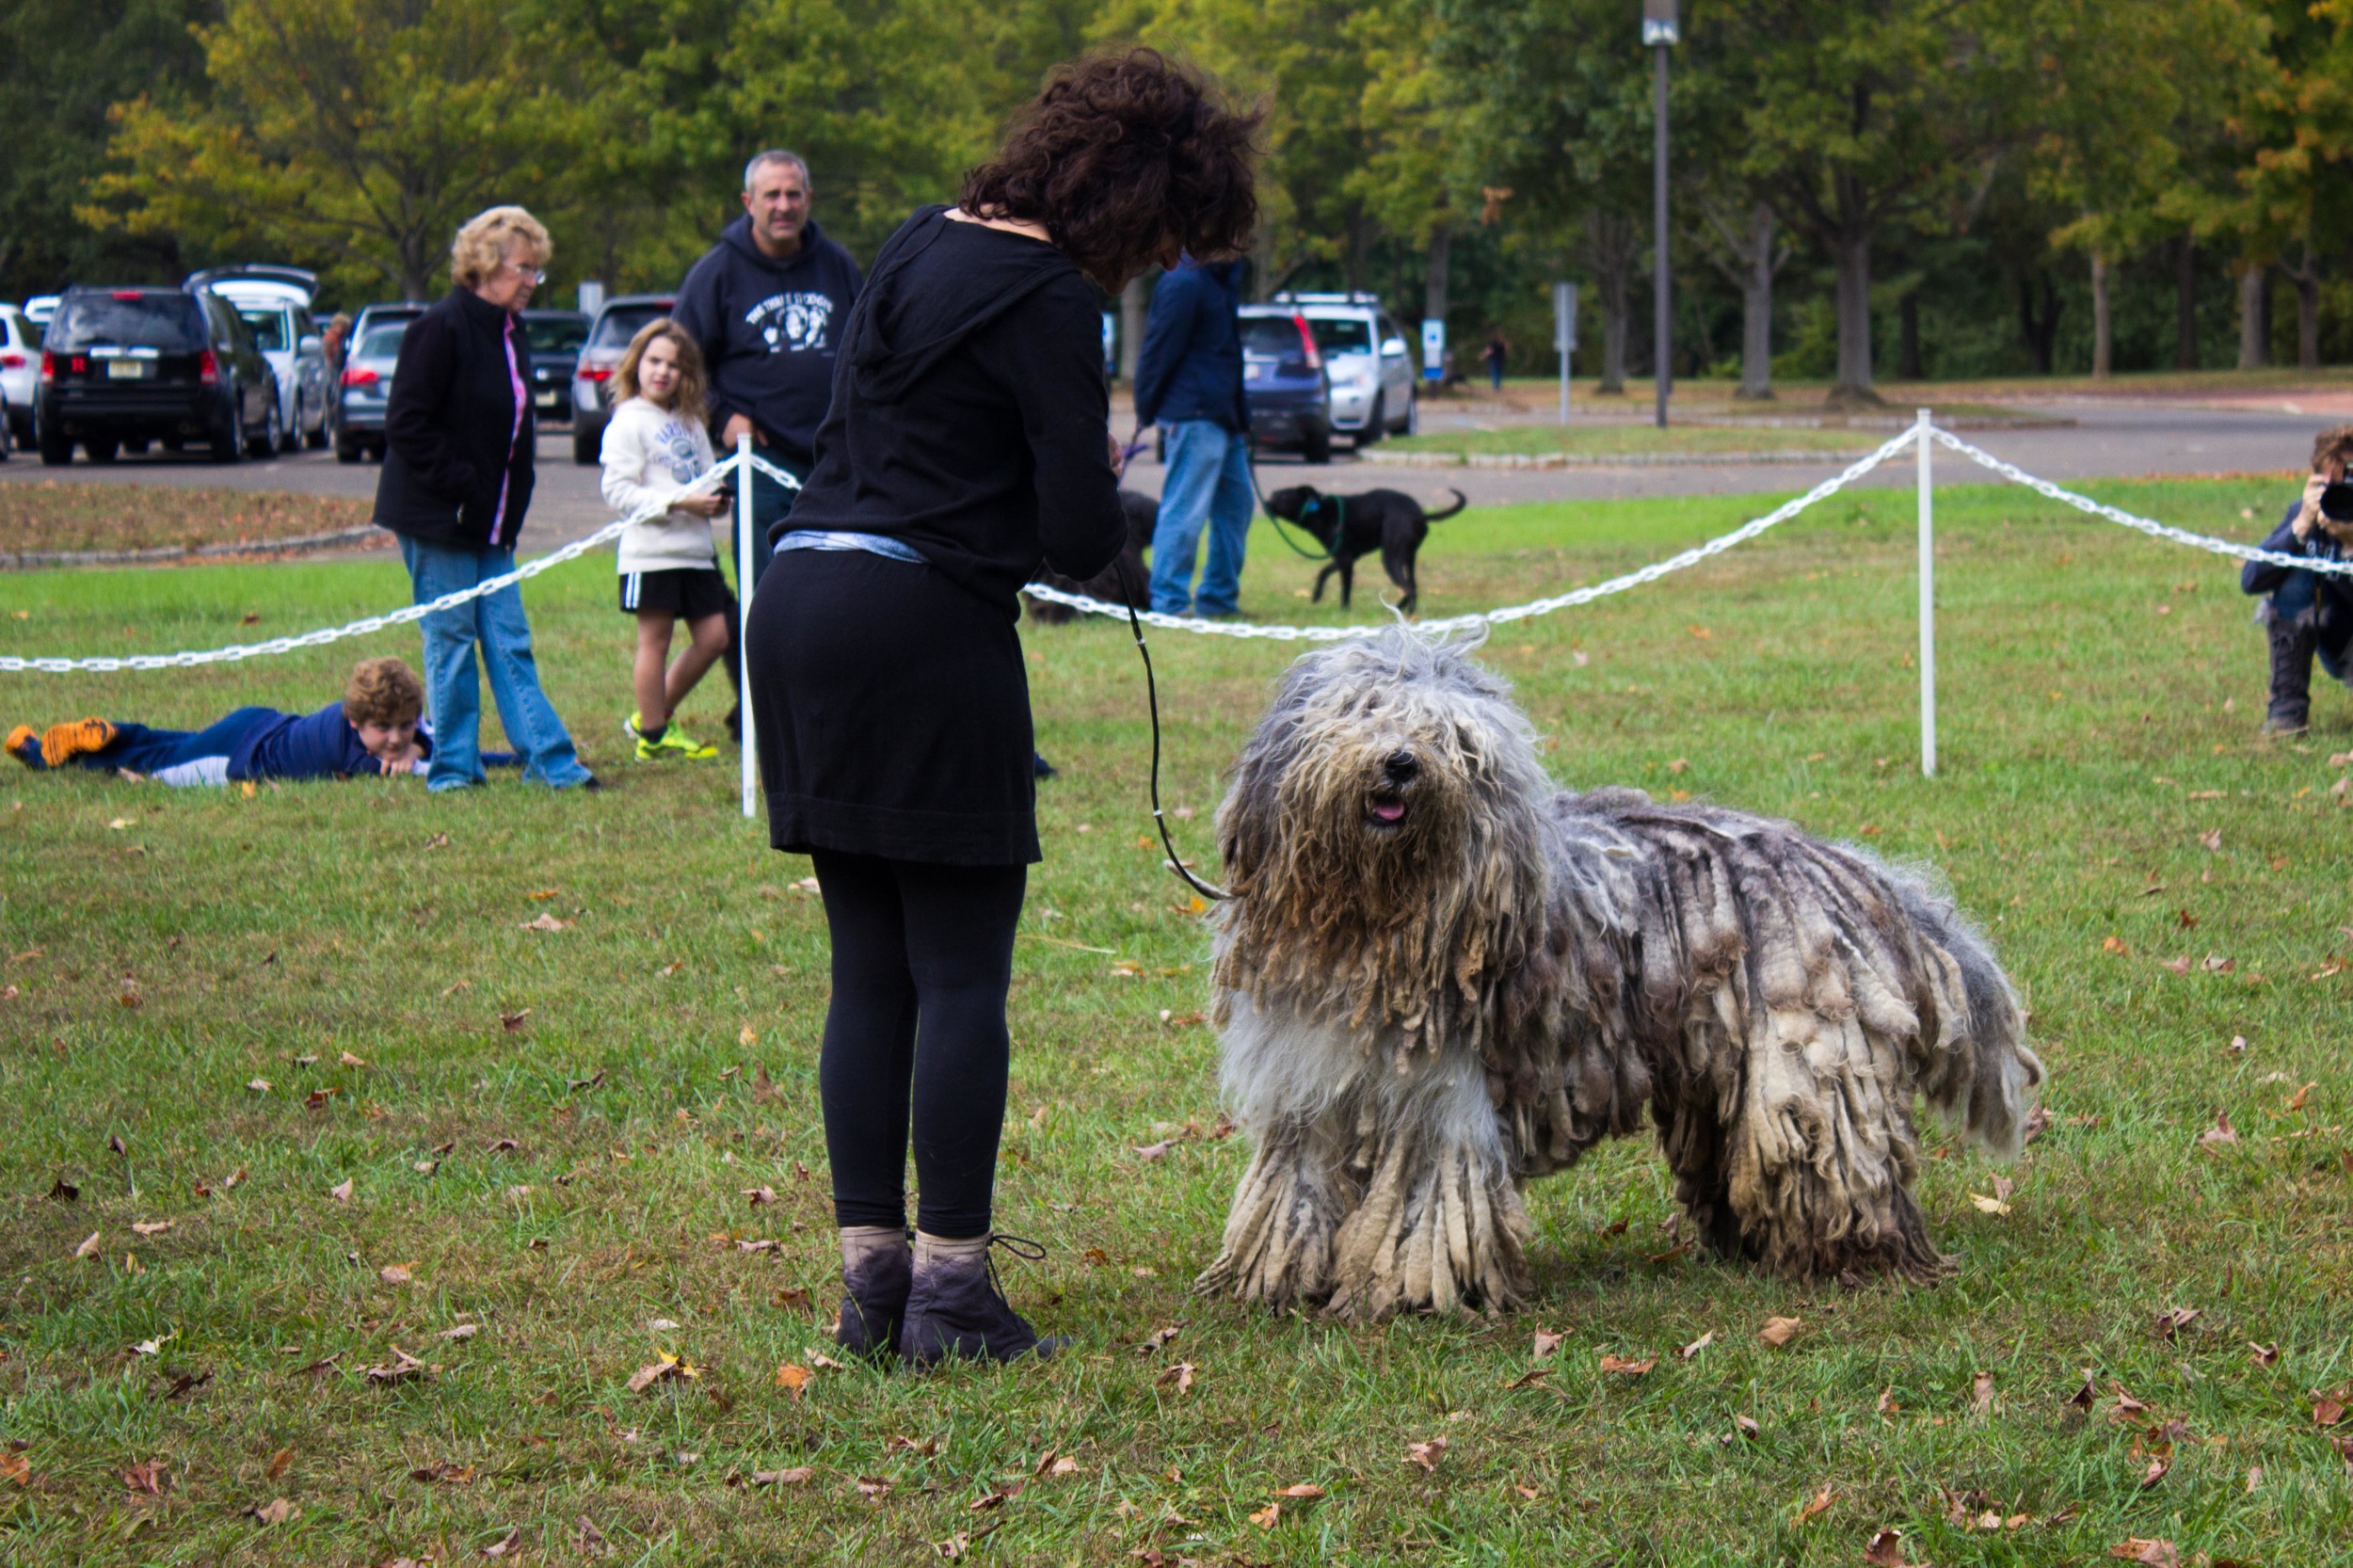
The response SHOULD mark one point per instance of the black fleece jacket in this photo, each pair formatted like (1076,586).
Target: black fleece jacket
(769,330)
(450,447)
(969,415)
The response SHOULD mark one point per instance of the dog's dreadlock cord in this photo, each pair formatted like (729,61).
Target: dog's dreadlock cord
(1152,699)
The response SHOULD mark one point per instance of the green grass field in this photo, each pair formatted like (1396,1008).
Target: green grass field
(219,1011)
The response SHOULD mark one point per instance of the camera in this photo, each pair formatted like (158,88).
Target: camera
(2336,503)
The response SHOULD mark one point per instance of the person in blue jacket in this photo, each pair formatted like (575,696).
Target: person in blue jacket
(2306,614)
(1189,380)
(373,730)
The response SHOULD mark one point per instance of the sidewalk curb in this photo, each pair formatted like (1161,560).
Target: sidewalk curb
(28,559)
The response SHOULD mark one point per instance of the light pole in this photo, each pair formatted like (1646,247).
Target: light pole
(1660,30)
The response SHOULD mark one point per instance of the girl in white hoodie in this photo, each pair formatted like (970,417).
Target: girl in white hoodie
(655,445)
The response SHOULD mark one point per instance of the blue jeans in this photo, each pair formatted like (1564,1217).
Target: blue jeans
(771,503)
(453,692)
(1207,484)
(2291,600)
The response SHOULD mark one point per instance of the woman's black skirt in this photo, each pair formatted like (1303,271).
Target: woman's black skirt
(891,712)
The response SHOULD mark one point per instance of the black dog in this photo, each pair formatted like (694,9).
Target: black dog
(1347,526)
(1141,512)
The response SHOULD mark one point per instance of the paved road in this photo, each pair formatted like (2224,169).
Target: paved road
(2109,437)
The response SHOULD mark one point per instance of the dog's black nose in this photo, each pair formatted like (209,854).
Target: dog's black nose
(1401,767)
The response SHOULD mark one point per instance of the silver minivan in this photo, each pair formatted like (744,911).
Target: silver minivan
(1373,391)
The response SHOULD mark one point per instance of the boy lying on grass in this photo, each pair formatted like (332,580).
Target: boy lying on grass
(373,729)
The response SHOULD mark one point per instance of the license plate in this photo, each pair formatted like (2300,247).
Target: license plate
(125,370)
(545,400)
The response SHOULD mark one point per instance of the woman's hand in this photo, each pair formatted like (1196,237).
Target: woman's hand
(1119,454)
(2308,511)
(709,505)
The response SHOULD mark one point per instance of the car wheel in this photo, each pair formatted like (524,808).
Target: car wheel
(101,451)
(316,438)
(1376,423)
(1413,415)
(266,444)
(7,431)
(587,446)
(225,439)
(55,453)
(290,436)
(1316,444)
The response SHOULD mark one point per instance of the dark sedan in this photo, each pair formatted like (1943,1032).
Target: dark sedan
(555,337)
(1283,383)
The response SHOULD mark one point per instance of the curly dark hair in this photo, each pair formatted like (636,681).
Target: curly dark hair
(1124,159)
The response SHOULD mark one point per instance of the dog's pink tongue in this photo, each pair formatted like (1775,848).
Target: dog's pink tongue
(1389,811)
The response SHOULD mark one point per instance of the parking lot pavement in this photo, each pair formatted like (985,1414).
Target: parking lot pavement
(2109,437)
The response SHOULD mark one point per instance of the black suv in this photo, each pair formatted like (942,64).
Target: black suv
(123,367)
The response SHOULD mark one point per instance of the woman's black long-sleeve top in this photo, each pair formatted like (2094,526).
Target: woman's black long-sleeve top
(970,411)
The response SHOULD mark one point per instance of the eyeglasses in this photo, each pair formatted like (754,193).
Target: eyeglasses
(531,275)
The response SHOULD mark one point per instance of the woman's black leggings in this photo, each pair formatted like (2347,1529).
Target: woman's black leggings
(923,956)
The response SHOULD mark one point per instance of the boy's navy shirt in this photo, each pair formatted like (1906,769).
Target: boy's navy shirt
(312,745)
(770,330)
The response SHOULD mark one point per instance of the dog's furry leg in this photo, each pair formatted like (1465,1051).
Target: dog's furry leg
(1441,1229)
(1277,1250)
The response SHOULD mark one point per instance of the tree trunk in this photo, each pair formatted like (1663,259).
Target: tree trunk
(1852,257)
(2185,305)
(2102,327)
(1908,366)
(2307,281)
(1756,309)
(2254,345)
(1613,331)
(1135,305)
(2039,328)
(1433,288)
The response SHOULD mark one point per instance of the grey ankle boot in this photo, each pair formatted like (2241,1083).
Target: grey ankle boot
(2293,646)
(956,1310)
(878,1268)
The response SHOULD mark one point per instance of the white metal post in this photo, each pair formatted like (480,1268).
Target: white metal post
(743,623)
(1927,601)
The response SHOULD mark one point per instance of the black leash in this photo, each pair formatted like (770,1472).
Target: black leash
(1152,699)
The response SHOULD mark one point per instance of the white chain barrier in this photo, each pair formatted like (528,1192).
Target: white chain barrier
(2150,526)
(1652,574)
(611,530)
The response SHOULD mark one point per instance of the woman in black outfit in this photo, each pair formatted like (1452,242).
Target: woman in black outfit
(968,439)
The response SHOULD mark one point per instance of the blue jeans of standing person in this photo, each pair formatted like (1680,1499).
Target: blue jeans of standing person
(771,503)
(1208,485)
(452,690)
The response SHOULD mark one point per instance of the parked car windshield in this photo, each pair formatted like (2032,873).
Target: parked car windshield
(167,321)
(383,343)
(269,327)
(618,325)
(1277,337)
(1342,335)
(554,334)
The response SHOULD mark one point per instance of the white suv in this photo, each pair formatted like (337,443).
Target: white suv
(1372,375)
(20,371)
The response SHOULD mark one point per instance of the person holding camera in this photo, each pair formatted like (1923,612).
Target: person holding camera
(2307,614)
(968,440)
(655,447)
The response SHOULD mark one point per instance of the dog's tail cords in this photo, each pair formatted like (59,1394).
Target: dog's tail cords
(1152,697)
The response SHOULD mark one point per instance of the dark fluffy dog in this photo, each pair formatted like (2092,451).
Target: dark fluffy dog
(1141,512)
(1347,526)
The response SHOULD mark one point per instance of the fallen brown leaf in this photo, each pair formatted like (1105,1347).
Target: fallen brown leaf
(1981,1395)
(1302,1493)
(1778,1331)
(1544,1344)
(1427,1454)
(873,1488)
(2173,1321)
(2262,1356)
(1266,1517)
(15,1468)
(1885,1550)
(401,1369)
(1816,1505)
(791,1377)
(444,1472)
(1697,1345)
(1156,1339)
(149,1479)
(2155,1473)
(2328,1411)
(587,1540)
(90,1245)
(1628,1369)
(276,1511)
(799,1474)
(2222,1133)
(2155,1554)
(1179,1376)
(278,1463)
(505,1543)
(393,1274)
(340,1192)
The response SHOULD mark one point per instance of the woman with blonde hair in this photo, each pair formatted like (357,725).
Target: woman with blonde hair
(655,446)
(458,440)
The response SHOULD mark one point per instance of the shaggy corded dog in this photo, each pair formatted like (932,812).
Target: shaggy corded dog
(1347,526)
(1439,975)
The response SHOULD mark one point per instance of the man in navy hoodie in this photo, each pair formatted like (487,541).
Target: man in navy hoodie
(767,305)
(1189,378)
